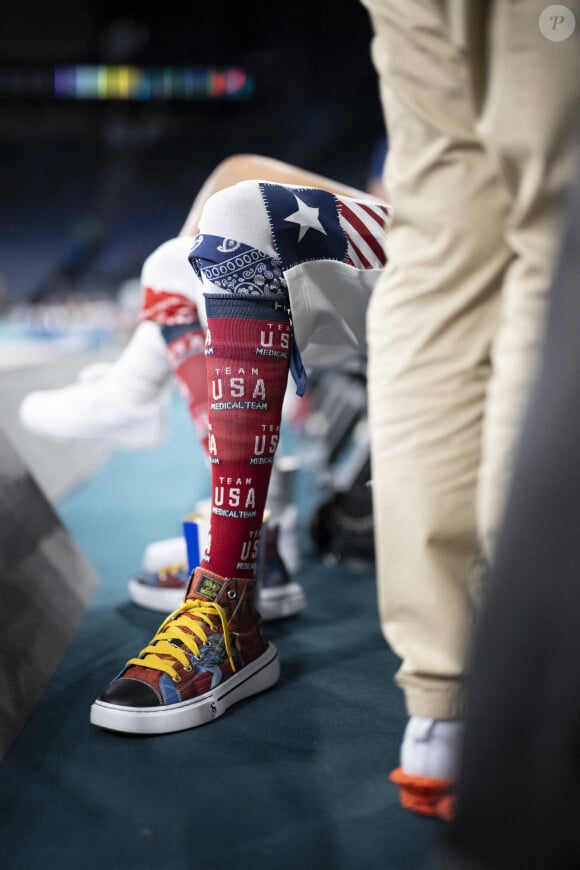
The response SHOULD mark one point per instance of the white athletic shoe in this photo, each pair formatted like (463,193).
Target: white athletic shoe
(164,577)
(430,747)
(94,372)
(89,410)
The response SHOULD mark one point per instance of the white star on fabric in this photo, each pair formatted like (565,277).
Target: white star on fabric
(306,217)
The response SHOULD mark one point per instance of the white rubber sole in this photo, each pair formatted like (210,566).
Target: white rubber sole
(279,602)
(259,675)
(161,600)
(45,414)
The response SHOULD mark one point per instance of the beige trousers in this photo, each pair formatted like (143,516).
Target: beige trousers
(481,110)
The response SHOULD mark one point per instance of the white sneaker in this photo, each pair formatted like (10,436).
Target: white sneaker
(430,747)
(163,581)
(94,371)
(89,410)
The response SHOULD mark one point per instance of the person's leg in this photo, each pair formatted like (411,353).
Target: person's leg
(252,237)
(255,241)
(180,314)
(430,324)
(329,297)
(224,655)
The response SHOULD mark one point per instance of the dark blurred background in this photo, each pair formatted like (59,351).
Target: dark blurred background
(92,181)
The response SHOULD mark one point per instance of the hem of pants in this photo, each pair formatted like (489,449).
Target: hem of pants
(435,703)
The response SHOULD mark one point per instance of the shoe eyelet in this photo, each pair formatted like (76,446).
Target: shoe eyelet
(176,679)
(232,593)
(188,669)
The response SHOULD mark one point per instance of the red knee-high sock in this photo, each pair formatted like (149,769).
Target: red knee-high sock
(178,319)
(185,350)
(247,355)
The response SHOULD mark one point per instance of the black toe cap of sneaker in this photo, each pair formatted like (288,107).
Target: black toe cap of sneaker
(130,693)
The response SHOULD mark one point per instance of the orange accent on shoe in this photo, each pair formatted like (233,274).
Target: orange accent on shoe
(425,795)
(446,808)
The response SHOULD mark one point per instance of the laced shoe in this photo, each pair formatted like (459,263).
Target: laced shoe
(206,656)
(162,583)
(91,410)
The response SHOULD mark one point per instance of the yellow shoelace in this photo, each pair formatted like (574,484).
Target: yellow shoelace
(186,626)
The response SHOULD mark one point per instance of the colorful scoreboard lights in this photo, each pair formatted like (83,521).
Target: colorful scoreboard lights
(124,82)
(150,83)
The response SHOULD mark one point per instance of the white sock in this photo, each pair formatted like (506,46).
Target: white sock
(431,747)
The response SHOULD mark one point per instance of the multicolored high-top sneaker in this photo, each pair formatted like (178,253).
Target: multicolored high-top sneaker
(206,656)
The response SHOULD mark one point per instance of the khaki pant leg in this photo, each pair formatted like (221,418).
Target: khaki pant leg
(430,324)
(530,125)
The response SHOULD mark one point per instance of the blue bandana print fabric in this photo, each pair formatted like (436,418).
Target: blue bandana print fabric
(237,268)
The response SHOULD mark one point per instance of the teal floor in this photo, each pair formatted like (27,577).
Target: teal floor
(294,778)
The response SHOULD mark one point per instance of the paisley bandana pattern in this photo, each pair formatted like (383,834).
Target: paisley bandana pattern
(237,268)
